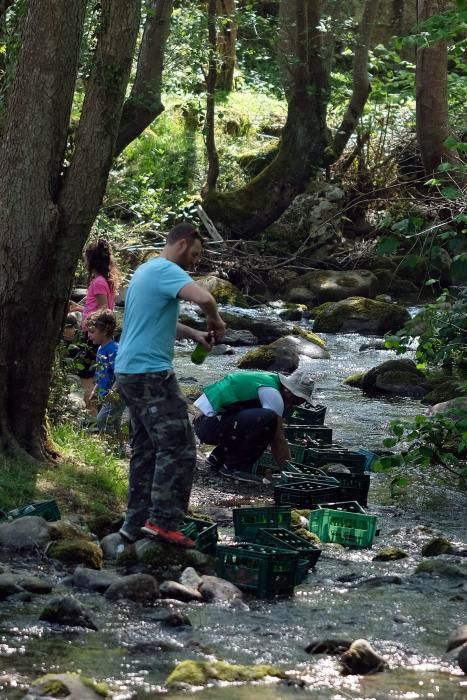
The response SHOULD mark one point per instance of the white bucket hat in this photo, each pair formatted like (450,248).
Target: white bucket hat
(299,383)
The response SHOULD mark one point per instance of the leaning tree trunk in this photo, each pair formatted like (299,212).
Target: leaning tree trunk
(45,216)
(245,212)
(211,79)
(431,94)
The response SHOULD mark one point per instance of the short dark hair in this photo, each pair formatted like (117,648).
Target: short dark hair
(184,230)
(105,321)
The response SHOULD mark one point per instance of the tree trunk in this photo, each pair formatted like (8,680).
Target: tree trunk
(45,218)
(245,212)
(211,79)
(144,103)
(431,94)
(226,44)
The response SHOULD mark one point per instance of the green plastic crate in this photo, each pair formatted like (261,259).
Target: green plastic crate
(314,415)
(348,506)
(279,537)
(354,487)
(297,468)
(305,494)
(45,509)
(309,434)
(319,457)
(297,452)
(350,529)
(247,521)
(292,477)
(261,570)
(203,532)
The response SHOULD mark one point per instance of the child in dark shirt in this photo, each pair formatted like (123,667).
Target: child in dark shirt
(101,327)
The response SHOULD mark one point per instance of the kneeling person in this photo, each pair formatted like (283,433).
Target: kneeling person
(242,414)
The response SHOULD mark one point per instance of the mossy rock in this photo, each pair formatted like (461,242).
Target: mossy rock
(163,561)
(397,378)
(360,315)
(355,380)
(63,530)
(198,673)
(70,685)
(258,358)
(223,291)
(76,552)
(309,335)
(390,553)
(445,391)
(441,568)
(436,546)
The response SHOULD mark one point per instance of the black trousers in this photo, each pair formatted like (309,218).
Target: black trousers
(240,436)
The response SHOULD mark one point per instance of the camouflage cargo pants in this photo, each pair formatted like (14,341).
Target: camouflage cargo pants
(163,452)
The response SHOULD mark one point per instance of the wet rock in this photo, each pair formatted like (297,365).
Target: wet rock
(172,589)
(164,561)
(217,590)
(65,530)
(301,295)
(35,584)
(377,581)
(441,393)
(190,578)
(223,291)
(328,646)
(65,610)
(455,408)
(112,545)
(441,568)
(283,355)
(222,349)
(201,672)
(338,285)
(397,378)
(265,327)
(25,533)
(375,345)
(457,638)
(76,552)
(359,315)
(362,659)
(238,337)
(71,686)
(176,619)
(462,658)
(390,553)
(436,546)
(8,586)
(140,588)
(93,580)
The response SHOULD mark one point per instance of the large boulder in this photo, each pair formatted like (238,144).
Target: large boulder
(283,355)
(397,378)
(334,285)
(455,408)
(223,291)
(29,532)
(360,315)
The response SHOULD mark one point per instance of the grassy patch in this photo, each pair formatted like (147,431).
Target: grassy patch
(88,480)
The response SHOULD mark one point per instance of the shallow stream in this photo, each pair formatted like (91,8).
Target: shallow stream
(407,622)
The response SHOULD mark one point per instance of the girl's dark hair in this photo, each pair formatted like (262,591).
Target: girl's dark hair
(99,258)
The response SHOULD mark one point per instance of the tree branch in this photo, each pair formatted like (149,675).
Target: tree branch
(144,103)
(361,84)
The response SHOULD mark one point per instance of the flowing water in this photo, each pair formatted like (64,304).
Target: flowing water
(408,622)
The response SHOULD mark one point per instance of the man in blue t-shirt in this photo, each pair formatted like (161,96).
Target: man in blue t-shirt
(162,441)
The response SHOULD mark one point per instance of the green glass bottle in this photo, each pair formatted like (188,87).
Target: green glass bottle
(199,354)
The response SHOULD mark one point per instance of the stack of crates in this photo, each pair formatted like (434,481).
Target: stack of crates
(203,532)
(308,552)
(309,435)
(247,521)
(342,527)
(352,459)
(261,570)
(311,415)
(306,493)
(353,487)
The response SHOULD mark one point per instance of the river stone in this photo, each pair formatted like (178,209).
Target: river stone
(270,359)
(35,584)
(451,409)
(395,377)
(218,590)
(29,532)
(390,553)
(112,545)
(196,673)
(301,295)
(65,530)
(190,578)
(457,638)
(265,326)
(66,610)
(462,658)
(172,589)
(436,546)
(328,646)
(361,659)
(8,586)
(176,619)
(93,580)
(223,291)
(239,337)
(377,581)
(140,588)
(164,561)
(70,686)
(359,315)
(76,552)
(336,285)
(222,349)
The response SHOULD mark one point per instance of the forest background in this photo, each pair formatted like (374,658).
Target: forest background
(118,118)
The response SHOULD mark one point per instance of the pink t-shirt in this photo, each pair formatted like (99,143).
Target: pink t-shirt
(98,285)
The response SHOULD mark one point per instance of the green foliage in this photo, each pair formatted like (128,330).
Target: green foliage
(441,329)
(428,440)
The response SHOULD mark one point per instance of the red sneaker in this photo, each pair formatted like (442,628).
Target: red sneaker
(170,536)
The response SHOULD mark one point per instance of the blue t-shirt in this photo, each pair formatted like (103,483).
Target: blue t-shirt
(105,363)
(150,320)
